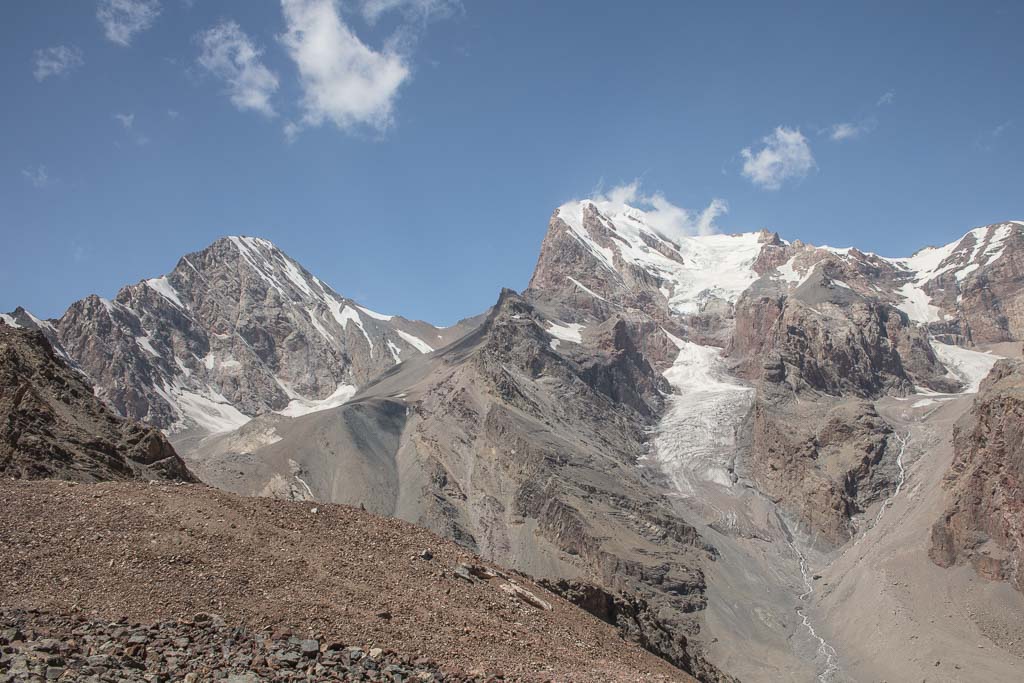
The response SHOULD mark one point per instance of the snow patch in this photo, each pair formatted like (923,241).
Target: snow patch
(161,286)
(9,320)
(347,314)
(209,411)
(396,352)
(145,342)
(415,342)
(591,293)
(790,274)
(570,332)
(375,315)
(917,304)
(304,406)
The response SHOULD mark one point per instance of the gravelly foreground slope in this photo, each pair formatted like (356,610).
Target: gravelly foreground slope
(154,553)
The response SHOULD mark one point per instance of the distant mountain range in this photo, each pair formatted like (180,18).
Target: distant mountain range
(694,422)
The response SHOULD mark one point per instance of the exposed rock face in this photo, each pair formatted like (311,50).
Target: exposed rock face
(984,525)
(823,461)
(235,330)
(519,451)
(634,618)
(52,426)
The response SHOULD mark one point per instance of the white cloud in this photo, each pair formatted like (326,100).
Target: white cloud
(37,176)
(844,131)
(122,19)
(343,81)
(886,98)
(785,155)
(54,61)
(421,10)
(668,219)
(173,113)
(127,122)
(849,131)
(1001,128)
(229,54)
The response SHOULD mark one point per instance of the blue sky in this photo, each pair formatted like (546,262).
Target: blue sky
(411,152)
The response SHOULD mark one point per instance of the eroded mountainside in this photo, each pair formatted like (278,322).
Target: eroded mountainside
(52,426)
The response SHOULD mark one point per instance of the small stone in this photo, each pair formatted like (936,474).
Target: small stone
(54,672)
(48,645)
(248,677)
(427,554)
(376,653)
(310,648)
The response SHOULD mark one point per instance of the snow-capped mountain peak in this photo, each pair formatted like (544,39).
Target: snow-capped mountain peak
(234,330)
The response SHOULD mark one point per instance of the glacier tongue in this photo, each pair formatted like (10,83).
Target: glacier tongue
(696,438)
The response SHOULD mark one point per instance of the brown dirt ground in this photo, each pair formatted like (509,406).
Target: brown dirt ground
(152,552)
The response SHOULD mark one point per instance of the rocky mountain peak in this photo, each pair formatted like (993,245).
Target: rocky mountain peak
(236,329)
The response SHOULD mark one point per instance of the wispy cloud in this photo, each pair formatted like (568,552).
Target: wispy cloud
(54,61)
(785,155)
(343,80)
(127,122)
(668,219)
(123,19)
(229,54)
(848,131)
(416,10)
(886,98)
(990,138)
(37,176)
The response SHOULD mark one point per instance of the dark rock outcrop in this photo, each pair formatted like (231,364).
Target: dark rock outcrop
(53,426)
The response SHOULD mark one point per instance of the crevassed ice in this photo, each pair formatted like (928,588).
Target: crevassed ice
(696,439)
(966,365)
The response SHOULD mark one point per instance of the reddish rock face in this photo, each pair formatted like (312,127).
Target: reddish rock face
(53,427)
(984,525)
